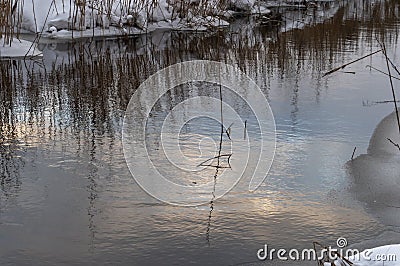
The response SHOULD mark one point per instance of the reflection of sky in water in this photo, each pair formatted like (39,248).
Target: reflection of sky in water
(71,198)
(191,134)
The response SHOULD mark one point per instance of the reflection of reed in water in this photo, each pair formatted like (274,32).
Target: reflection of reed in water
(10,148)
(217,166)
(10,158)
(90,84)
(216,170)
(92,190)
(212,202)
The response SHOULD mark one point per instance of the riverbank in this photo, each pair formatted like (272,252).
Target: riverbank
(68,22)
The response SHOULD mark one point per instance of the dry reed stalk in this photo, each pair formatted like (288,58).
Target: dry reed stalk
(391,84)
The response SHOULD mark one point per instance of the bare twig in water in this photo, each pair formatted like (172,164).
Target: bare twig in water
(394,143)
(228,131)
(245,129)
(391,82)
(217,168)
(391,206)
(386,102)
(394,66)
(217,157)
(367,103)
(347,64)
(380,71)
(354,151)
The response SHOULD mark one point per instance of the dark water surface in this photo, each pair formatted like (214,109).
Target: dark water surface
(67,196)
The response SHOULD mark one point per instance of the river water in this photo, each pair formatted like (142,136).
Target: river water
(68,197)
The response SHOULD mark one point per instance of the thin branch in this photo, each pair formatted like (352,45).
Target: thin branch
(245,129)
(368,104)
(394,143)
(228,131)
(354,151)
(391,82)
(347,64)
(394,66)
(380,71)
(216,157)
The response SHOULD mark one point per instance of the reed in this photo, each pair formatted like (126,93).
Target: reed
(10,20)
(384,51)
(85,14)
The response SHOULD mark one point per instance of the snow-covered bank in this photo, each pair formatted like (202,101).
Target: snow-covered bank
(70,20)
(83,18)
(60,19)
(376,175)
(19,48)
(54,18)
(375,180)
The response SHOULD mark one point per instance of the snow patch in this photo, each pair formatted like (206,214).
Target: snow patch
(376,175)
(18,48)
(241,5)
(379,144)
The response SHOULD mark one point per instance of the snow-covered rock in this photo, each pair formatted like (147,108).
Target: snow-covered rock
(379,144)
(140,20)
(53,29)
(376,175)
(161,11)
(60,22)
(241,5)
(261,10)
